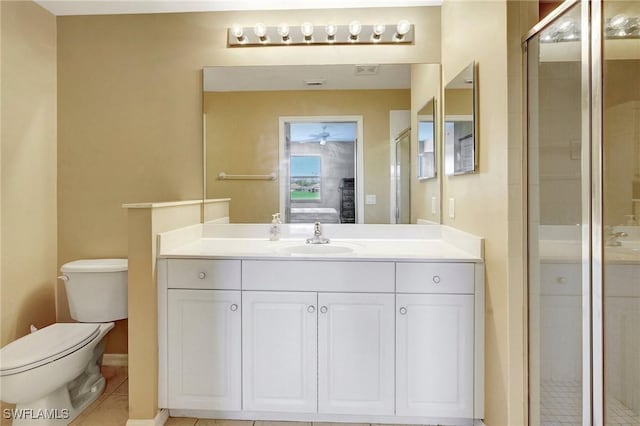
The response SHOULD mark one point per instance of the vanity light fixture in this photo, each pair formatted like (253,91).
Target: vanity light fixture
(617,27)
(263,35)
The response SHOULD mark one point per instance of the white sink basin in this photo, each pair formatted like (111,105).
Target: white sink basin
(317,249)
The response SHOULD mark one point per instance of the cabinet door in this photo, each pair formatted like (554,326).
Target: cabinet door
(356,353)
(434,358)
(279,351)
(204,349)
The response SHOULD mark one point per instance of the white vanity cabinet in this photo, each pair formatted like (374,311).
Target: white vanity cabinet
(204,349)
(561,322)
(435,339)
(279,351)
(356,353)
(201,313)
(434,363)
(371,341)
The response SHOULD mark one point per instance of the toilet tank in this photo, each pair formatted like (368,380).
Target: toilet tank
(96,289)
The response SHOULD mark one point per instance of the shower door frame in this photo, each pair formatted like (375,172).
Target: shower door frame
(592,201)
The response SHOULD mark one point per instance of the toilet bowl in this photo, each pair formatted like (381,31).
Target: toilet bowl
(53,374)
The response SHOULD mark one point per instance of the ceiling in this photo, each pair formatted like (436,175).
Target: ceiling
(114,7)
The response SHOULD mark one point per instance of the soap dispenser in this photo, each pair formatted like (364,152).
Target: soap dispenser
(274,231)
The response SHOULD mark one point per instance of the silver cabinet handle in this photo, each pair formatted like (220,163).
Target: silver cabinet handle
(562,280)
(202,275)
(403,311)
(324,309)
(436,279)
(233,307)
(311,309)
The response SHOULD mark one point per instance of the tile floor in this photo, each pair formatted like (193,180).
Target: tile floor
(112,409)
(561,405)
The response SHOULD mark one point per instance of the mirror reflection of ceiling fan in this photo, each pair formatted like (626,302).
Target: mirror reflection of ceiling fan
(324,136)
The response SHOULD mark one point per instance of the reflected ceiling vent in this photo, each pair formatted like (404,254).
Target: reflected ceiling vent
(369,69)
(314,82)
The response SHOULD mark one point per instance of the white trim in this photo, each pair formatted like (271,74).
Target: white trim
(159,420)
(115,360)
(282,186)
(461,117)
(64,8)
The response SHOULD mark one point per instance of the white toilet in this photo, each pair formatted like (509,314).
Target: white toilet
(53,373)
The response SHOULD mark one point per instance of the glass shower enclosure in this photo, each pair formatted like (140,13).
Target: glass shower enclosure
(583,192)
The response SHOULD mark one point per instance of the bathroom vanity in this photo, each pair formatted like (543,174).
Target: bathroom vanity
(559,305)
(384,324)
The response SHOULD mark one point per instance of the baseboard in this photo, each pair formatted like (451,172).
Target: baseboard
(159,420)
(115,360)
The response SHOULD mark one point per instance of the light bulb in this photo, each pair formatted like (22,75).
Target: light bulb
(237,32)
(565,26)
(403,27)
(378,30)
(307,30)
(260,30)
(283,31)
(619,22)
(331,29)
(354,29)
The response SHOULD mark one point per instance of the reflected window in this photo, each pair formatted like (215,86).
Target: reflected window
(305,178)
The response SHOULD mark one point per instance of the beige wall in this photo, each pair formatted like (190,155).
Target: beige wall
(130,103)
(130,114)
(489,202)
(28,214)
(425,85)
(621,139)
(250,144)
(458,102)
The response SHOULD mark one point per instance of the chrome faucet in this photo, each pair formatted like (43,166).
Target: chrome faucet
(612,237)
(317,236)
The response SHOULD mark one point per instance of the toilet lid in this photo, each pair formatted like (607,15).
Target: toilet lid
(95,265)
(45,345)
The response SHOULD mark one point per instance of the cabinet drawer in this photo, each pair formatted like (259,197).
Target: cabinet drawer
(203,274)
(435,278)
(372,277)
(557,279)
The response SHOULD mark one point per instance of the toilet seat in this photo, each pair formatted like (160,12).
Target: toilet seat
(45,345)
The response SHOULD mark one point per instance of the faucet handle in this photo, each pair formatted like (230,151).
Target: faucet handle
(316,229)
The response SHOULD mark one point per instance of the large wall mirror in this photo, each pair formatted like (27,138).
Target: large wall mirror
(460,123)
(311,142)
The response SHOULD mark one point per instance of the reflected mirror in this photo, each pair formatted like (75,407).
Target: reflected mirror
(427,140)
(460,133)
(311,142)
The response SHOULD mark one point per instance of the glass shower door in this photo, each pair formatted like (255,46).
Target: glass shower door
(556,214)
(621,206)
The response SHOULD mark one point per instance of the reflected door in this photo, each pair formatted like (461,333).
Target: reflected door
(403,177)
